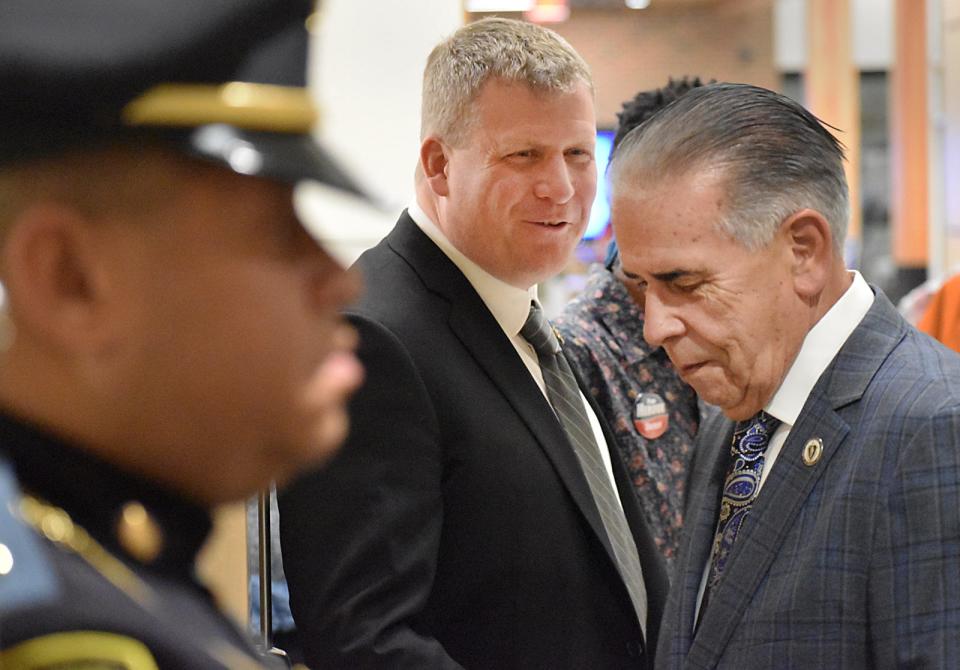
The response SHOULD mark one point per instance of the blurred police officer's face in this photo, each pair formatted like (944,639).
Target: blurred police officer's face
(241,365)
(516,196)
(194,339)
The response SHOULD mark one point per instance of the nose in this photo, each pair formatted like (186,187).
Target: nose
(554,181)
(659,322)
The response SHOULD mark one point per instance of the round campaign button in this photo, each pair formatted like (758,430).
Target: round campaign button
(650,416)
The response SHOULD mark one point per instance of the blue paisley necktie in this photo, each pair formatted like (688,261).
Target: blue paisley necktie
(750,440)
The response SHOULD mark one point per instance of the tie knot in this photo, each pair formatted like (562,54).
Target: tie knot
(756,431)
(765,422)
(539,333)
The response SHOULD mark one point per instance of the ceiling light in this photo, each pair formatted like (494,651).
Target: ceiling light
(548,11)
(500,5)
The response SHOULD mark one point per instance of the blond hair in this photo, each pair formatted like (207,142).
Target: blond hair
(507,49)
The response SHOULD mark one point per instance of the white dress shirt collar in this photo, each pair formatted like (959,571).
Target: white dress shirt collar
(508,304)
(819,348)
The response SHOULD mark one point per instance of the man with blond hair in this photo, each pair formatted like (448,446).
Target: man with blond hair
(476,517)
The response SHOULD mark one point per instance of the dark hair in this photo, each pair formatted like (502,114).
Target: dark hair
(777,158)
(647,103)
(634,112)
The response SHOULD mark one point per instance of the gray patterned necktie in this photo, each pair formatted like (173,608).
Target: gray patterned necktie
(564,396)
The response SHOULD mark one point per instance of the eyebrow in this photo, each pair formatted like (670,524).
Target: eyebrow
(505,143)
(672,275)
(661,276)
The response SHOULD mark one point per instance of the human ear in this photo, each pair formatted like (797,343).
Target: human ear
(55,285)
(810,248)
(433,161)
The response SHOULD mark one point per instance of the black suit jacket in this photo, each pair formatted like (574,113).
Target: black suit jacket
(455,529)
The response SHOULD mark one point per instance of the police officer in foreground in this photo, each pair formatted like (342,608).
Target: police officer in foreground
(170,337)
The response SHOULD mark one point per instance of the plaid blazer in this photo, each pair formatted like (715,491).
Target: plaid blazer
(854,561)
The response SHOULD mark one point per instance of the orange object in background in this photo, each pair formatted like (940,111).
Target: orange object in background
(942,316)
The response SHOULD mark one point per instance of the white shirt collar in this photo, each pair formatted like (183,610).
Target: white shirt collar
(819,348)
(508,304)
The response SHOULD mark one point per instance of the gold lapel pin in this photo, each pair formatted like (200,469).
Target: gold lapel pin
(812,451)
(556,333)
(138,533)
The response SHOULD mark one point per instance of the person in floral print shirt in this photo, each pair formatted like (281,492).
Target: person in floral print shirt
(653,414)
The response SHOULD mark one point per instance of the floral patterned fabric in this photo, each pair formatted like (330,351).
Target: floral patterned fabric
(603,336)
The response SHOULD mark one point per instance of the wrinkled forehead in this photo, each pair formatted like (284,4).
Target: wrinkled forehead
(672,191)
(497,97)
(662,214)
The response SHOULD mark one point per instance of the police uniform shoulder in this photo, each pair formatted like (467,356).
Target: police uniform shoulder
(27,577)
(88,649)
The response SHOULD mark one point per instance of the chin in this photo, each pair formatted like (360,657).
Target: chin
(738,409)
(732,408)
(283,476)
(707,391)
(549,270)
(738,413)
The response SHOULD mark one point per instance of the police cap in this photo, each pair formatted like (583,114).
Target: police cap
(224,80)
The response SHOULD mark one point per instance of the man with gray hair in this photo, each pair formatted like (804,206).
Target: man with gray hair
(476,517)
(823,528)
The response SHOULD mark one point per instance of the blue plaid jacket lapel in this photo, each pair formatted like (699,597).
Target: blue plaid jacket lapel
(774,512)
(709,466)
(784,493)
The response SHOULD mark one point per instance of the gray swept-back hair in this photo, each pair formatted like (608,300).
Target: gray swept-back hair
(775,156)
(508,49)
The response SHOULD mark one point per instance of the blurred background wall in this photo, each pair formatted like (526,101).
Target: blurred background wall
(840,57)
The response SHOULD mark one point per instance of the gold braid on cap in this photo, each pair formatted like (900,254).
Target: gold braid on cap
(264,107)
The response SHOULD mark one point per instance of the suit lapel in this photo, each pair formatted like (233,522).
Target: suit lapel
(499,360)
(771,519)
(478,330)
(711,452)
(790,481)
(655,576)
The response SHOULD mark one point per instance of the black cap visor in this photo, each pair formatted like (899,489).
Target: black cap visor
(284,157)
